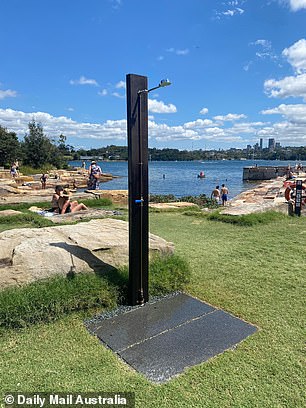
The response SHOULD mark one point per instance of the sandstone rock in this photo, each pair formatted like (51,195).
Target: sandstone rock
(178,204)
(29,254)
(81,215)
(5,213)
(116,196)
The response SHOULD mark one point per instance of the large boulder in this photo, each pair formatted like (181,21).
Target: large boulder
(29,254)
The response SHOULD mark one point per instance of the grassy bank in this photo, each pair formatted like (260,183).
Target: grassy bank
(49,300)
(255,272)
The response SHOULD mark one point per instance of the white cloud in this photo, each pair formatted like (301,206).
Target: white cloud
(121,85)
(160,107)
(199,123)
(203,111)
(294,86)
(296,55)
(296,5)
(266,44)
(230,117)
(7,94)
(17,121)
(233,8)
(117,95)
(83,81)
(247,65)
(116,4)
(295,113)
(184,51)
(291,130)
(103,92)
(265,50)
(233,12)
(114,130)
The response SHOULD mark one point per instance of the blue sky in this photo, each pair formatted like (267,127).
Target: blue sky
(238,69)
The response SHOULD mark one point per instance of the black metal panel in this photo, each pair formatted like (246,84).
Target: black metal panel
(298,197)
(137,128)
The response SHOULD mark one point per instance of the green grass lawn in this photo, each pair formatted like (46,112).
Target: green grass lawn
(254,272)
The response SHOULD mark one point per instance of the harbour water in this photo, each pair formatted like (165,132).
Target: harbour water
(180,178)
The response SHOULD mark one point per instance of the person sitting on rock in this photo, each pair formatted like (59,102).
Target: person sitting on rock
(67,206)
(54,203)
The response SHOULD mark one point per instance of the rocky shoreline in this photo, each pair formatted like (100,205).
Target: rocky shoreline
(268,195)
(27,189)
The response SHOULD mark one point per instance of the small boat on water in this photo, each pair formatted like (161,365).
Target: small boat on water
(201,175)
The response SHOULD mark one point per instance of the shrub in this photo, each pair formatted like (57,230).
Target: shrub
(248,219)
(168,274)
(96,203)
(202,201)
(29,171)
(26,220)
(162,198)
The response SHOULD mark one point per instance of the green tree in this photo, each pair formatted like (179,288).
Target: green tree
(9,147)
(38,149)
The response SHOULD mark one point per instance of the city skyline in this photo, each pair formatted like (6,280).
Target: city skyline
(238,70)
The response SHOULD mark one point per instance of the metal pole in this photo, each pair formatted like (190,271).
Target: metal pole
(137,127)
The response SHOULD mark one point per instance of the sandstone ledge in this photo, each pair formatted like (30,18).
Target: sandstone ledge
(29,254)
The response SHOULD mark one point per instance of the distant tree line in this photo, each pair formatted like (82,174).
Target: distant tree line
(113,152)
(35,150)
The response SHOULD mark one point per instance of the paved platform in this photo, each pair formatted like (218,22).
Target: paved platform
(162,338)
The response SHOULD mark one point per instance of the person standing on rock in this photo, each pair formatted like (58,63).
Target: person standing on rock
(14,171)
(216,194)
(224,194)
(94,173)
(43,180)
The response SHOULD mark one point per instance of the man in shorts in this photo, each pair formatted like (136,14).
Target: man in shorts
(224,194)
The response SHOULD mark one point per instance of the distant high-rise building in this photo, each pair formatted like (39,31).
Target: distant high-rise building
(277,145)
(271,144)
(260,143)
